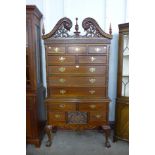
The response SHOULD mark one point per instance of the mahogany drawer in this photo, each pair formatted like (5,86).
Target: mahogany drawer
(77,81)
(61,106)
(60,60)
(76,91)
(76,49)
(97,116)
(97,49)
(93,59)
(55,49)
(56,116)
(77,70)
(92,106)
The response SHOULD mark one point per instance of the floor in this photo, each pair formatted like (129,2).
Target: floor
(79,143)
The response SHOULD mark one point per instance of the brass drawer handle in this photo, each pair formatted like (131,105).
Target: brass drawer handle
(97,49)
(92,106)
(91,91)
(77,49)
(62,91)
(56,49)
(98,116)
(62,69)
(62,105)
(62,80)
(62,59)
(92,59)
(57,116)
(92,69)
(92,80)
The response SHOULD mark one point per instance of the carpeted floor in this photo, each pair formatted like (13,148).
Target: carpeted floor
(79,143)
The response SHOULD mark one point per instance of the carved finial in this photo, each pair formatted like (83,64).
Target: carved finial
(77,28)
(110,29)
(43,29)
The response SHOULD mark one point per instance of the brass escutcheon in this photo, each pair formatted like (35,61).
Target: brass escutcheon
(62,91)
(62,69)
(92,80)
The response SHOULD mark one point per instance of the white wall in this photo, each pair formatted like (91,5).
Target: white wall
(103,11)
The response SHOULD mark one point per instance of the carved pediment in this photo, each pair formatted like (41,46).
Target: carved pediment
(90,26)
(61,29)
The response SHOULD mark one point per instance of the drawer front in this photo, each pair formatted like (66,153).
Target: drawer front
(56,117)
(61,60)
(97,116)
(98,49)
(92,106)
(55,49)
(77,70)
(76,49)
(61,106)
(77,81)
(77,92)
(93,59)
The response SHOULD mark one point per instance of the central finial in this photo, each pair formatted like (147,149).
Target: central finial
(76,28)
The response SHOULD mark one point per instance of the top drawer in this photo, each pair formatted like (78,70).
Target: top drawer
(55,49)
(97,49)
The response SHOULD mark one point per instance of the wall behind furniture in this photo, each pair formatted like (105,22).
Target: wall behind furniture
(103,11)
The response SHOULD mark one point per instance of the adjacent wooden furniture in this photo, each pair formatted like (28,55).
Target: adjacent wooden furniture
(122,101)
(77,77)
(35,92)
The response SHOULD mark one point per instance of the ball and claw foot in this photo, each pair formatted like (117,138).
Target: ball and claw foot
(107,144)
(48,143)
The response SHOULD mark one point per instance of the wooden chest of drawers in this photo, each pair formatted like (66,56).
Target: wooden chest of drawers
(77,77)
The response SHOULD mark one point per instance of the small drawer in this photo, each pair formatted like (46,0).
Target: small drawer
(98,49)
(93,59)
(92,106)
(55,49)
(76,49)
(56,116)
(61,107)
(97,116)
(60,60)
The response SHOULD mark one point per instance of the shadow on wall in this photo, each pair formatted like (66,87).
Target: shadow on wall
(113,61)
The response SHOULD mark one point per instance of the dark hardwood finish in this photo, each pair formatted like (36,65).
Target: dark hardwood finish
(35,92)
(122,101)
(77,77)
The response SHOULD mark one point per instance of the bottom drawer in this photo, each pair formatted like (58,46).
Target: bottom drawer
(97,116)
(56,117)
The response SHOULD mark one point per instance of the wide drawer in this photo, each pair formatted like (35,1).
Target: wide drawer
(97,49)
(61,106)
(55,49)
(93,59)
(97,116)
(92,106)
(56,117)
(77,70)
(60,60)
(77,92)
(77,81)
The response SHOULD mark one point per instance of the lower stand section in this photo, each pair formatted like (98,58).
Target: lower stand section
(106,129)
(52,129)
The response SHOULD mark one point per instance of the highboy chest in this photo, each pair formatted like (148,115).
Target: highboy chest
(77,77)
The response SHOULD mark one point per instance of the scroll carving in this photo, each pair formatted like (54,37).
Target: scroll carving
(93,29)
(61,29)
(64,25)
